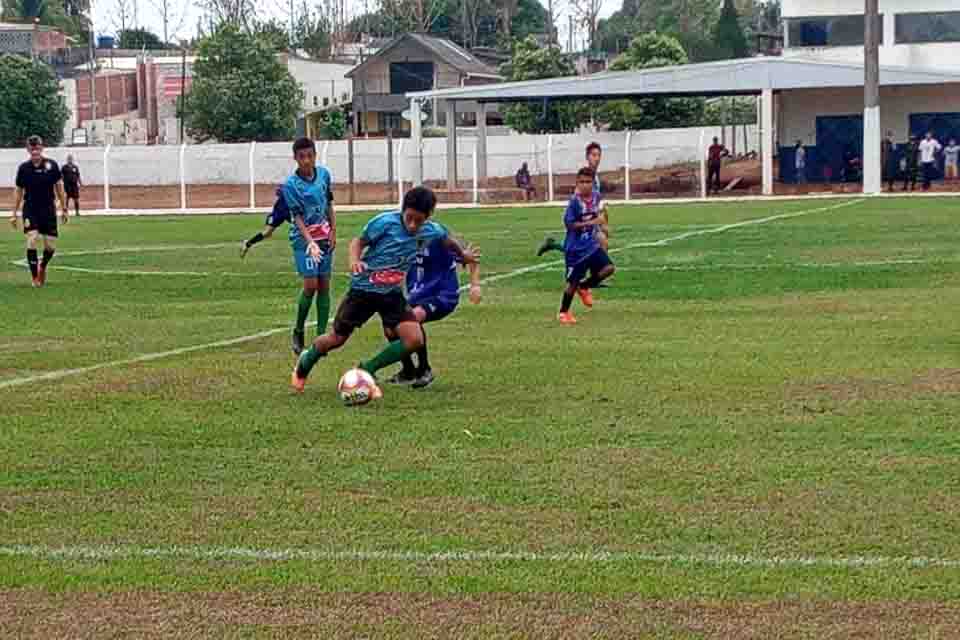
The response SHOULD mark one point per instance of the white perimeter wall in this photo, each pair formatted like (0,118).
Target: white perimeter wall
(230,164)
(798,110)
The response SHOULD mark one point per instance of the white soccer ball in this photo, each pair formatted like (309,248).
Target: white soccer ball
(357,387)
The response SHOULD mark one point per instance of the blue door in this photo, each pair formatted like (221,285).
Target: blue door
(839,148)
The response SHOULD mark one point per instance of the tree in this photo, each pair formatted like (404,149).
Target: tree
(171,17)
(333,125)
(30,103)
(240,13)
(728,38)
(585,13)
(139,39)
(124,16)
(273,34)
(649,51)
(241,91)
(689,21)
(313,30)
(531,61)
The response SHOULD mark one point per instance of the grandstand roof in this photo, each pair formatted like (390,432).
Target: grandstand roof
(729,77)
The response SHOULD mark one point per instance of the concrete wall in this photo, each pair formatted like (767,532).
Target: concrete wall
(229,164)
(934,55)
(798,110)
(321,80)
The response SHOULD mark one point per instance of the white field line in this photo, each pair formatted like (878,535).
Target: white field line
(214,553)
(63,373)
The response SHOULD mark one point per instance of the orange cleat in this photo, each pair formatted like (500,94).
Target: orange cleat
(586,297)
(297,382)
(567,318)
(376,393)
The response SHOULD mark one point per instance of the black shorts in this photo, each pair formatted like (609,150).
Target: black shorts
(45,225)
(597,261)
(359,306)
(72,192)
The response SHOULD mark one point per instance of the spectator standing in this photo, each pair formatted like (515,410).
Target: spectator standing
(910,164)
(888,153)
(715,155)
(525,182)
(952,155)
(929,149)
(800,162)
(72,183)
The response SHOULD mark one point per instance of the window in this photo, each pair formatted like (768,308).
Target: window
(326,102)
(315,101)
(928,27)
(410,76)
(389,121)
(828,31)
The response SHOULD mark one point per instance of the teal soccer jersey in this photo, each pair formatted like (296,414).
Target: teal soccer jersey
(391,251)
(311,200)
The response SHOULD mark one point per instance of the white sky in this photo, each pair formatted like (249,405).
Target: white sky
(150,18)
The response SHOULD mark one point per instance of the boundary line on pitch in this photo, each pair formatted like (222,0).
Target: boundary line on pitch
(217,553)
(149,357)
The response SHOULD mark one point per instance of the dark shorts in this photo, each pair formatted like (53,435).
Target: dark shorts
(45,225)
(274,221)
(437,307)
(359,306)
(597,261)
(72,191)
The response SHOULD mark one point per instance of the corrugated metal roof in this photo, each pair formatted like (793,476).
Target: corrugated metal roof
(447,51)
(728,77)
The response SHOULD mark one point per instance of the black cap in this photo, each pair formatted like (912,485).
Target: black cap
(34,141)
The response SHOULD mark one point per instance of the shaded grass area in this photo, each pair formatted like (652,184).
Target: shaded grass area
(779,390)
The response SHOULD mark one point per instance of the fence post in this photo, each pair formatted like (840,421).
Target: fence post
(106,178)
(476,182)
(253,177)
(183,177)
(626,169)
(400,174)
(324,151)
(353,189)
(550,168)
(701,149)
(390,158)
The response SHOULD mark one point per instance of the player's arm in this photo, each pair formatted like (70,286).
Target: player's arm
(357,265)
(312,247)
(17,201)
(475,292)
(468,254)
(63,201)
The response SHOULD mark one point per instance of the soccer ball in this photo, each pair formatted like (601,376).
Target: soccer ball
(356,387)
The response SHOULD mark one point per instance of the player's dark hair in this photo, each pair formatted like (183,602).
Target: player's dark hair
(420,199)
(303,143)
(586,172)
(34,141)
(591,147)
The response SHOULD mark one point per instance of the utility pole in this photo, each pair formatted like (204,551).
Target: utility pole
(93,70)
(872,156)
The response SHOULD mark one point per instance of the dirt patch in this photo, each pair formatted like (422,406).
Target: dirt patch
(932,382)
(302,613)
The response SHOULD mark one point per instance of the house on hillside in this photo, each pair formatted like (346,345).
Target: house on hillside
(412,62)
(917,35)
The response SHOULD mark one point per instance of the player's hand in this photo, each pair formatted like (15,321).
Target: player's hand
(65,216)
(471,254)
(314,250)
(15,222)
(475,294)
(358,267)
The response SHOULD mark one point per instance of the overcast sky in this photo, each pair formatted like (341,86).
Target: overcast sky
(149,15)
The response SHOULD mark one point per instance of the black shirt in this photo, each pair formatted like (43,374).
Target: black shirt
(71,175)
(38,184)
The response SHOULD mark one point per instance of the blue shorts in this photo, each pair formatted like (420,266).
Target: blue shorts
(437,307)
(309,267)
(595,263)
(273,220)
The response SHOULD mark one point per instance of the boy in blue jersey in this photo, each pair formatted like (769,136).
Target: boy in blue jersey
(433,291)
(379,261)
(308,194)
(594,155)
(582,249)
(279,215)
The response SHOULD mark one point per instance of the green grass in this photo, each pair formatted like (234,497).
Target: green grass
(786,389)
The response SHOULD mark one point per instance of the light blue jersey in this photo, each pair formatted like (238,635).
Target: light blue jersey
(311,200)
(391,251)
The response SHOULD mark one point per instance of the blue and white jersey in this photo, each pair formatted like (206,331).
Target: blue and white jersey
(434,275)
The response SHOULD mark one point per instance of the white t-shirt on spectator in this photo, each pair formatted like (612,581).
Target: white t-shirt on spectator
(929,150)
(953,154)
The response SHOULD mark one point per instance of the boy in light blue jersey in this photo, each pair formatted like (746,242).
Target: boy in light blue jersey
(308,194)
(379,261)
(433,291)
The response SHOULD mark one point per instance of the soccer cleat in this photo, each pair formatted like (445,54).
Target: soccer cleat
(401,380)
(586,297)
(297,382)
(42,275)
(424,380)
(296,342)
(244,247)
(548,245)
(566,318)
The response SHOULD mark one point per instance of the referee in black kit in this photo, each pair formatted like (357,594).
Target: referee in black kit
(38,181)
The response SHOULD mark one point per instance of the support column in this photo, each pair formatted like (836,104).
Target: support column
(482,165)
(872,153)
(451,110)
(766,137)
(416,142)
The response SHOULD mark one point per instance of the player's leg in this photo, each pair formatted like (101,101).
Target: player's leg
(33,262)
(432,310)
(353,313)
(601,268)
(574,275)
(49,249)
(325,269)
(256,239)
(408,371)
(549,244)
(304,304)
(398,317)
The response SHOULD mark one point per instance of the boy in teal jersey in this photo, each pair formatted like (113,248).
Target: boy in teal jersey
(379,261)
(308,194)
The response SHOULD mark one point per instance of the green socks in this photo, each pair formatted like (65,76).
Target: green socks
(304,302)
(323,311)
(308,359)
(394,352)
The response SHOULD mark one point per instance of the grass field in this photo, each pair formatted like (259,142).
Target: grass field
(754,434)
